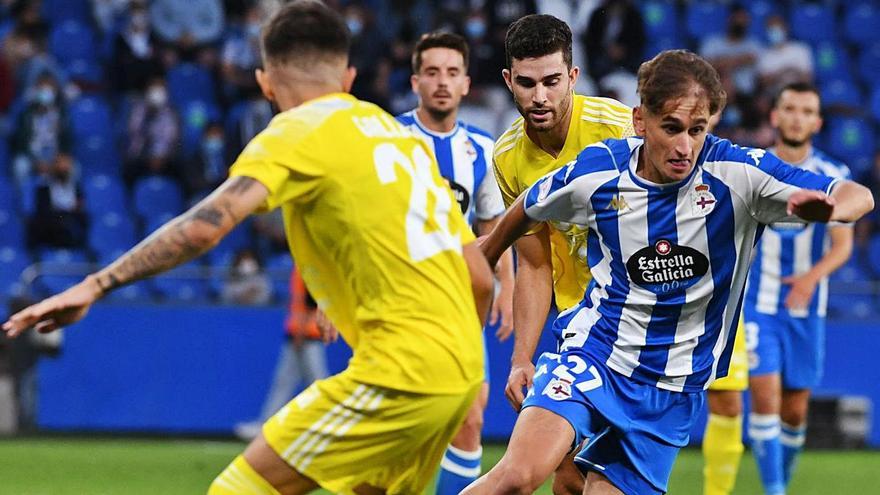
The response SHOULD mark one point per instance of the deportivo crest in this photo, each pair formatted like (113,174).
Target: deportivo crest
(558,389)
(666,266)
(702,200)
(544,188)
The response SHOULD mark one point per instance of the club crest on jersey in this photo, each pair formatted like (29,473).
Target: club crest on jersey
(544,188)
(702,200)
(558,389)
(666,266)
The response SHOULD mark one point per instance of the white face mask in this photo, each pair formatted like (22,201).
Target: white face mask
(157,96)
(776,35)
(248,267)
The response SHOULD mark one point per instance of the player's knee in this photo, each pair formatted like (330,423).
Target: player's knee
(567,485)
(795,417)
(515,480)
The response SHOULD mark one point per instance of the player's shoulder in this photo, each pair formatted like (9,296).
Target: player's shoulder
(610,155)
(407,118)
(481,137)
(603,111)
(718,150)
(828,165)
(508,140)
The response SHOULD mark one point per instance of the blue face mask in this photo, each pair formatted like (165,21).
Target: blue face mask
(45,96)
(475,28)
(213,144)
(354,25)
(253,29)
(776,35)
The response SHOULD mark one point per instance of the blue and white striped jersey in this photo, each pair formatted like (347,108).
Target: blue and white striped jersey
(669,262)
(787,249)
(465,158)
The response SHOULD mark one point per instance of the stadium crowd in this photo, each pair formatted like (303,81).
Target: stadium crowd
(117,114)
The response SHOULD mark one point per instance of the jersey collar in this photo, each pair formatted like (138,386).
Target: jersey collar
(441,135)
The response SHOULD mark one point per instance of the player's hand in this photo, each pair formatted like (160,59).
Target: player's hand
(802,288)
(502,314)
(520,379)
(812,206)
(57,311)
(329,333)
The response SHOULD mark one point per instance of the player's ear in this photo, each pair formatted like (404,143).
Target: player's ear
(819,123)
(573,75)
(414,83)
(265,84)
(505,73)
(348,78)
(639,121)
(774,119)
(467,86)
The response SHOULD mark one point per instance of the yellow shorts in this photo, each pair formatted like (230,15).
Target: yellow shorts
(343,433)
(737,378)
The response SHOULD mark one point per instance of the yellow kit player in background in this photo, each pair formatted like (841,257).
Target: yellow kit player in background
(722,440)
(555,126)
(378,238)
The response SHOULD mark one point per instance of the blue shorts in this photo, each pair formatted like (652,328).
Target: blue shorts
(792,347)
(633,431)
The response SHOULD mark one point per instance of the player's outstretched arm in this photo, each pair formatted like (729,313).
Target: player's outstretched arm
(482,281)
(502,305)
(848,202)
(511,227)
(178,241)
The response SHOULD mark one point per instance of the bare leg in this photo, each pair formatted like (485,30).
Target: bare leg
(568,479)
(599,485)
(469,435)
(795,405)
(521,471)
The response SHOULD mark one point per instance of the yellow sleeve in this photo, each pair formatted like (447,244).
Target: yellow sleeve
(502,177)
(278,158)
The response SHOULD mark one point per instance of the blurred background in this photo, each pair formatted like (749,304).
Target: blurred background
(116,115)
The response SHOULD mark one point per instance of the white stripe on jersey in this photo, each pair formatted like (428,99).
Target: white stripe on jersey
(768,287)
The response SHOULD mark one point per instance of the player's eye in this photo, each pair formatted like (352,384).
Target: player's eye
(696,131)
(552,82)
(671,129)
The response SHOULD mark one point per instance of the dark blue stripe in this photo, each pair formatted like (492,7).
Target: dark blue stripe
(786,266)
(443,153)
(660,333)
(720,230)
(604,332)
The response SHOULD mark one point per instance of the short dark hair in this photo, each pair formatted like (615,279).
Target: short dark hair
(797,87)
(671,73)
(439,39)
(305,28)
(537,35)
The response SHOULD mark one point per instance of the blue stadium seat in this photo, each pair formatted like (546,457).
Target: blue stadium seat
(832,61)
(189,82)
(873,255)
(705,18)
(279,267)
(153,223)
(183,284)
(813,22)
(12,228)
(760,10)
(239,238)
(28,195)
(12,264)
(111,232)
(58,270)
(661,18)
(840,92)
(57,11)
(83,69)
(104,193)
(875,103)
(869,63)
(72,40)
(860,23)
(156,195)
(194,116)
(90,116)
(97,155)
(8,195)
(852,140)
(843,301)
(657,45)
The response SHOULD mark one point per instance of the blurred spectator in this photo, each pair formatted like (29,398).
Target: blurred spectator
(734,53)
(576,15)
(247,283)
(196,21)
(785,60)
(135,57)
(487,57)
(153,134)
(60,218)
(107,13)
(41,131)
(241,56)
(28,33)
(368,54)
(302,360)
(209,167)
(614,39)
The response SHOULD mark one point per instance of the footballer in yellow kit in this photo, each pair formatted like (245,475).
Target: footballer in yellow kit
(519,163)
(378,242)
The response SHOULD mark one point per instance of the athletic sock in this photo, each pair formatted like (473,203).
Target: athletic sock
(722,451)
(764,433)
(239,478)
(792,439)
(458,469)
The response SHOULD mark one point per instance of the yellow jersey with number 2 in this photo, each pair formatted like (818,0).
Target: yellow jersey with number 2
(519,163)
(378,239)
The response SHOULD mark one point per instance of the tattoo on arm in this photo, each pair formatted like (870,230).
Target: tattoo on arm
(179,241)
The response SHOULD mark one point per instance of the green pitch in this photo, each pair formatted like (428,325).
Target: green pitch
(61,466)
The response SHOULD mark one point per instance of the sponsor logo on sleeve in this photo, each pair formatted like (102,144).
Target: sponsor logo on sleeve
(666,267)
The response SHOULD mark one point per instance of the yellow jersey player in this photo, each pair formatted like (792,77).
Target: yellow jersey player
(378,238)
(555,126)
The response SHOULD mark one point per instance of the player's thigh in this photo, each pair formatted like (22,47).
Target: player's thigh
(597,484)
(804,353)
(345,434)
(568,478)
(763,344)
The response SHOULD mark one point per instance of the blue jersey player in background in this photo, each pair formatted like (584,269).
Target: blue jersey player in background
(464,154)
(673,217)
(786,299)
